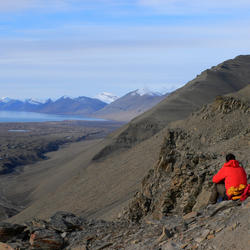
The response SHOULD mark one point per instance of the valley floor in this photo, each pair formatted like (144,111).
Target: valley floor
(29,171)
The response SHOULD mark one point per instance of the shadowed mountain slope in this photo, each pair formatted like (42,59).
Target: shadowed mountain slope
(229,76)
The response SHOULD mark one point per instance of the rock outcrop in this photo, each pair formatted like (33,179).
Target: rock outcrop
(192,152)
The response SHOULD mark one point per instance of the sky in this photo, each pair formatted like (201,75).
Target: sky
(51,48)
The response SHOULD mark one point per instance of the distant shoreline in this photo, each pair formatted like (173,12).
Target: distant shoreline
(21,116)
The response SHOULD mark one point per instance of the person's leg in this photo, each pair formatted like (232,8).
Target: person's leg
(218,193)
(221,190)
(214,195)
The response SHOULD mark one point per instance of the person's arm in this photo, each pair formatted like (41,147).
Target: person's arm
(220,176)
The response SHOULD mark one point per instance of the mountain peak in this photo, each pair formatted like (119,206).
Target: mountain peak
(145,91)
(34,101)
(106,97)
(5,99)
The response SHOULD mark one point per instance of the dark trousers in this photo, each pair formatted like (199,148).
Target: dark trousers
(218,193)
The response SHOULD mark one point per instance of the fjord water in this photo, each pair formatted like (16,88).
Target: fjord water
(12,116)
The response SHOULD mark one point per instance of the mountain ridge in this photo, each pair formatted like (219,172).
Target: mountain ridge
(229,76)
(64,105)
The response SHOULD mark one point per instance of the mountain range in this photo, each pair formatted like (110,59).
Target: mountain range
(105,105)
(64,105)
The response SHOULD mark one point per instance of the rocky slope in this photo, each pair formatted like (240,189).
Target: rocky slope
(229,76)
(170,211)
(221,226)
(192,152)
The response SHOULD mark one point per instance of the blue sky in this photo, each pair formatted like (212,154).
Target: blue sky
(50,48)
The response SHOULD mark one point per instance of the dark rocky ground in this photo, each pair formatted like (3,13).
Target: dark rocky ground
(204,229)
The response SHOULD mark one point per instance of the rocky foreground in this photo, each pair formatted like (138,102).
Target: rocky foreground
(225,225)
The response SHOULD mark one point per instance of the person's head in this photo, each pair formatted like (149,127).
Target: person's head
(230,157)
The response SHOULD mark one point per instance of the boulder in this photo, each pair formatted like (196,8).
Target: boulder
(9,231)
(46,239)
(65,222)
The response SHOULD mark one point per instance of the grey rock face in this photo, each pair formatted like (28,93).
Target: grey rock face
(64,222)
(46,239)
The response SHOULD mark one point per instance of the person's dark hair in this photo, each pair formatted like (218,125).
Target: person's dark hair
(230,157)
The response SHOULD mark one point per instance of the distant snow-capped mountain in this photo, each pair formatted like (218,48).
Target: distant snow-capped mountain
(145,91)
(5,99)
(104,105)
(106,97)
(34,101)
(130,105)
(64,105)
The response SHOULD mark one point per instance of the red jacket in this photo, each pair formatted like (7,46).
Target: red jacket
(232,174)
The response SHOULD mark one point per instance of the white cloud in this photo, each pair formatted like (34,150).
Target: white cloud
(96,45)
(57,5)
(162,6)
(17,5)
(194,6)
(119,56)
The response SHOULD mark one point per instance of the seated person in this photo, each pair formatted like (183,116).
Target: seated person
(230,181)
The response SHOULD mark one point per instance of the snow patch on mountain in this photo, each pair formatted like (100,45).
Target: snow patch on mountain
(34,101)
(65,97)
(145,91)
(106,97)
(5,99)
